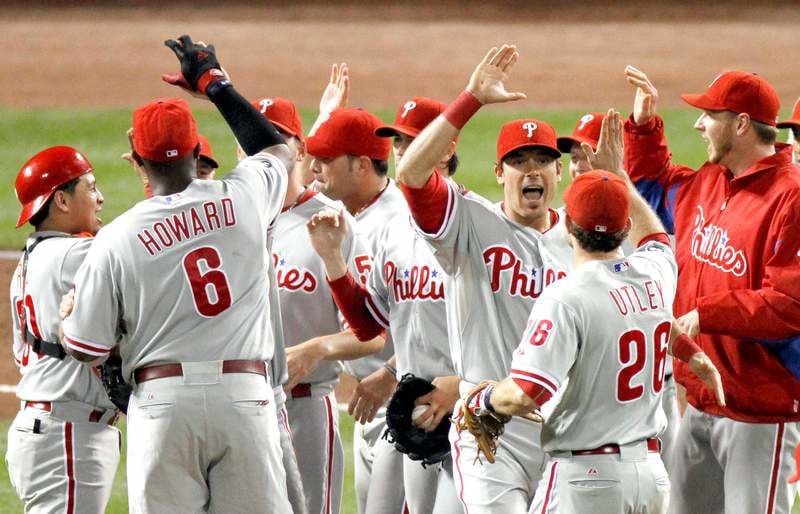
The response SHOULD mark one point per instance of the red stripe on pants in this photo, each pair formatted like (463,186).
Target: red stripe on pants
(776,466)
(70,465)
(550,484)
(330,455)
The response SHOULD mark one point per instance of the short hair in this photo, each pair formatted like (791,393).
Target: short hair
(69,187)
(766,134)
(452,164)
(597,241)
(381,166)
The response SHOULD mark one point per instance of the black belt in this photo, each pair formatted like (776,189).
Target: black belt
(46,348)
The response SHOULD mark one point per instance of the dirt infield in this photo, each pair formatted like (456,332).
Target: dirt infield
(573,56)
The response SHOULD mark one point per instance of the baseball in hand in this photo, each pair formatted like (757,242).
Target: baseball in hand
(417,412)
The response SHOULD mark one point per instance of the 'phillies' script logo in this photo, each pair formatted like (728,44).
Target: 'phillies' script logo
(407,107)
(293,278)
(710,245)
(530,127)
(414,283)
(501,262)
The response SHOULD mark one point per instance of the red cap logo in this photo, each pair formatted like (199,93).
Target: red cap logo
(407,107)
(587,130)
(530,127)
(164,130)
(597,201)
(282,113)
(412,117)
(526,133)
(739,92)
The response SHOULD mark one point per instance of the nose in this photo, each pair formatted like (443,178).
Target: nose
(315,166)
(100,198)
(699,124)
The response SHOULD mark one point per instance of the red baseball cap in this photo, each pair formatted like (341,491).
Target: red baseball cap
(164,130)
(794,121)
(598,201)
(349,131)
(739,91)
(413,116)
(206,152)
(796,476)
(526,133)
(586,131)
(282,113)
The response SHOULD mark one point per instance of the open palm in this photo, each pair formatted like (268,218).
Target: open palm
(487,82)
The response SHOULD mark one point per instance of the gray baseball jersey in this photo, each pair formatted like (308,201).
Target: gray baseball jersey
(369,222)
(497,270)
(307,305)
(194,253)
(606,328)
(406,295)
(50,273)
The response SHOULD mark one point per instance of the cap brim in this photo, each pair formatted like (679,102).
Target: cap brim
(209,160)
(789,124)
(565,143)
(555,150)
(317,148)
(286,129)
(393,130)
(702,102)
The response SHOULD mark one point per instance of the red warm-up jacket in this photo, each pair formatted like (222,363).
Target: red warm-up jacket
(738,252)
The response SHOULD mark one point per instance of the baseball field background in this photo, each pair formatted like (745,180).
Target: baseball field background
(72,75)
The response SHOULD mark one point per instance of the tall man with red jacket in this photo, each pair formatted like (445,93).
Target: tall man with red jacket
(737,227)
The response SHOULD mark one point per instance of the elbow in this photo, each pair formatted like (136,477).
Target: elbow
(84,358)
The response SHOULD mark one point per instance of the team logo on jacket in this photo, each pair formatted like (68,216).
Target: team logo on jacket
(293,278)
(414,283)
(709,244)
(504,266)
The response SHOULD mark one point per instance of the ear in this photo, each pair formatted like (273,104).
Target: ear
(137,158)
(498,172)
(743,122)
(629,224)
(365,164)
(301,150)
(559,167)
(568,223)
(61,201)
(196,151)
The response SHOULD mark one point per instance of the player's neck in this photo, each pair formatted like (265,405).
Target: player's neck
(164,185)
(293,190)
(740,160)
(364,196)
(581,256)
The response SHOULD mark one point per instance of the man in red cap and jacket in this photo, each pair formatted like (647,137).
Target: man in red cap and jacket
(793,124)
(737,227)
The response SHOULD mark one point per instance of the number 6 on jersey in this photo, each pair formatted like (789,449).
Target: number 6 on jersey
(210,289)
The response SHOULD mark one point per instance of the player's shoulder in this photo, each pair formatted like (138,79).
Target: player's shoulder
(58,246)
(256,167)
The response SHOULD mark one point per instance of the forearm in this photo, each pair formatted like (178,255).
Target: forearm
(345,346)
(425,152)
(509,398)
(352,298)
(335,266)
(764,314)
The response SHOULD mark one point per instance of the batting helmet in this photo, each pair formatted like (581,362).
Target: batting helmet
(43,174)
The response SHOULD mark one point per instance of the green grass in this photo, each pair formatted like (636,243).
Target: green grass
(100,135)
(9,503)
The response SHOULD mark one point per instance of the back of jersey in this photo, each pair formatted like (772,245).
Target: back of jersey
(600,339)
(184,277)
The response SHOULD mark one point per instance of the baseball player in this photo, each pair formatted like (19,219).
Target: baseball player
(311,319)
(350,164)
(600,337)
(203,430)
(793,124)
(63,450)
(405,294)
(738,249)
(498,259)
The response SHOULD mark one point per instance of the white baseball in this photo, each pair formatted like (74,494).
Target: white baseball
(417,412)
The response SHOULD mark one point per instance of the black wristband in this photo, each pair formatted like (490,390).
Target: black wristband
(252,129)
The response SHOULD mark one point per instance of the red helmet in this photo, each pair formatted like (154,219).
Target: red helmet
(43,174)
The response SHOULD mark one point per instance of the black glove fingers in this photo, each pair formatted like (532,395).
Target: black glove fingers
(187,42)
(175,47)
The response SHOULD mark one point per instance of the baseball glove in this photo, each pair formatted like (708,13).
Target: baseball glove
(111,375)
(419,444)
(484,424)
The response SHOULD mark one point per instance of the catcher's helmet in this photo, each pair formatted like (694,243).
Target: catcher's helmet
(43,174)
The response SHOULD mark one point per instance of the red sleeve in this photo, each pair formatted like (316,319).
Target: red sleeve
(660,237)
(647,156)
(351,298)
(535,392)
(771,312)
(428,204)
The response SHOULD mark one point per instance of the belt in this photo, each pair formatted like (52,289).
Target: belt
(301,391)
(176,370)
(94,417)
(653,445)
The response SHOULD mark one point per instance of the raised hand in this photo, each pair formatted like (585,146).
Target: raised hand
(337,90)
(326,230)
(701,365)
(487,81)
(609,153)
(199,65)
(644,104)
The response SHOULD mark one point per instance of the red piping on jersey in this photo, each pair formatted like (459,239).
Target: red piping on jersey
(374,198)
(532,380)
(776,466)
(660,237)
(330,455)
(460,476)
(305,196)
(78,345)
(351,299)
(535,392)
(550,488)
(376,313)
(70,465)
(429,203)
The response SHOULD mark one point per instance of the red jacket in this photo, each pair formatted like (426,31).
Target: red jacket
(738,252)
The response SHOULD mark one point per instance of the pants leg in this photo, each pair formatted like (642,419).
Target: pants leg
(446,497)
(421,484)
(315,432)
(62,465)
(294,482)
(669,401)
(379,468)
